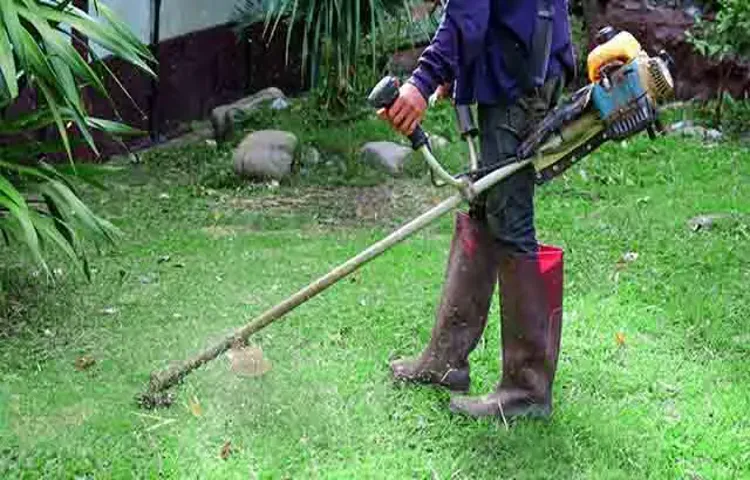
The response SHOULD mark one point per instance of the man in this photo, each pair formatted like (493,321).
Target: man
(511,58)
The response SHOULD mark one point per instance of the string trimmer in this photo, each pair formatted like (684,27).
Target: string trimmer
(621,102)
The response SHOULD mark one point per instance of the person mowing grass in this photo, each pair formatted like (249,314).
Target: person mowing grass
(512,58)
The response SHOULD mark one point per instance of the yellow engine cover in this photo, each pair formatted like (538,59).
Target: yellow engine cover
(623,47)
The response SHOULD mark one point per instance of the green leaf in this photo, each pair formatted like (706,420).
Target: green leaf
(13,26)
(49,230)
(24,170)
(61,46)
(8,64)
(76,210)
(35,49)
(104,35)
(40,118)
(13,202)
(10,192)
(113,128)
(124,31)
(57,115)
(86,172)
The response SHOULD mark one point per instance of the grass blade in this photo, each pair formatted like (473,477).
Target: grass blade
(14,203)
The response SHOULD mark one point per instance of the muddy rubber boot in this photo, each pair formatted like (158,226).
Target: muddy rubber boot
(531,289)
(470,280)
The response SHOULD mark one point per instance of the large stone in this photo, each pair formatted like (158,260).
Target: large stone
(689,129)
(388,156)
(266,154)
(224,118)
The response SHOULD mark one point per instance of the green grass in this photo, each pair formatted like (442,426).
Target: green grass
(670,402)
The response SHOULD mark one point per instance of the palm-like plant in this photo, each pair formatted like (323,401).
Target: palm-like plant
(40,51)
(335,33)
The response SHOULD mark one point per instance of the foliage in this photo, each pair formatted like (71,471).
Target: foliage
(249,12)
(735,117)
(724,39)
(336,35)
(39,204)
(402,30)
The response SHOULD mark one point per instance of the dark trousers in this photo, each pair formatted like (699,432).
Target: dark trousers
(508,207)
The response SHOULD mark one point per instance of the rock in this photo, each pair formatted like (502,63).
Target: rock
(437,142)
(708,221)
(280,104)
(311,157)
(389,156)
(266,154)
(688,129)
(197,132)
(223,118)
(712,135)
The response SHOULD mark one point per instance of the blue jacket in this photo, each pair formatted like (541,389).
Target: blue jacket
(470,48)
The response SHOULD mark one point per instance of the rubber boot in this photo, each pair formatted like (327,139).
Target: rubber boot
(470,279)
(531,288)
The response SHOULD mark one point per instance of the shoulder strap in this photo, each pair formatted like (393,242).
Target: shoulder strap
(530,68)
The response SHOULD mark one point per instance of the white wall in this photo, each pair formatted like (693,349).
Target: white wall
(179,17)
(136,13)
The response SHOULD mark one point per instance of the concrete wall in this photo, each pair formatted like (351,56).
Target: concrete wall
(180,17)
(136,13)
(201,64)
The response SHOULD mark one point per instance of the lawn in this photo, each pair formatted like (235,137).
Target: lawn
(653,379)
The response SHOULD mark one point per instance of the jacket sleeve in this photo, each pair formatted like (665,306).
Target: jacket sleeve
(457,42)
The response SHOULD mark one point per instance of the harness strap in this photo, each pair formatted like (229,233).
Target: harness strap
(530,68)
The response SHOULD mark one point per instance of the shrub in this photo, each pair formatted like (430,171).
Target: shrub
(338,36)
(725,39)
(39,203)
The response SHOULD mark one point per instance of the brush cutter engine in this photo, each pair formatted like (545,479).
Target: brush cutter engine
(620,103)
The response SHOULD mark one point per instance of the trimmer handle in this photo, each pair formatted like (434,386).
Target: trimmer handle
(466,125)
(384,95)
